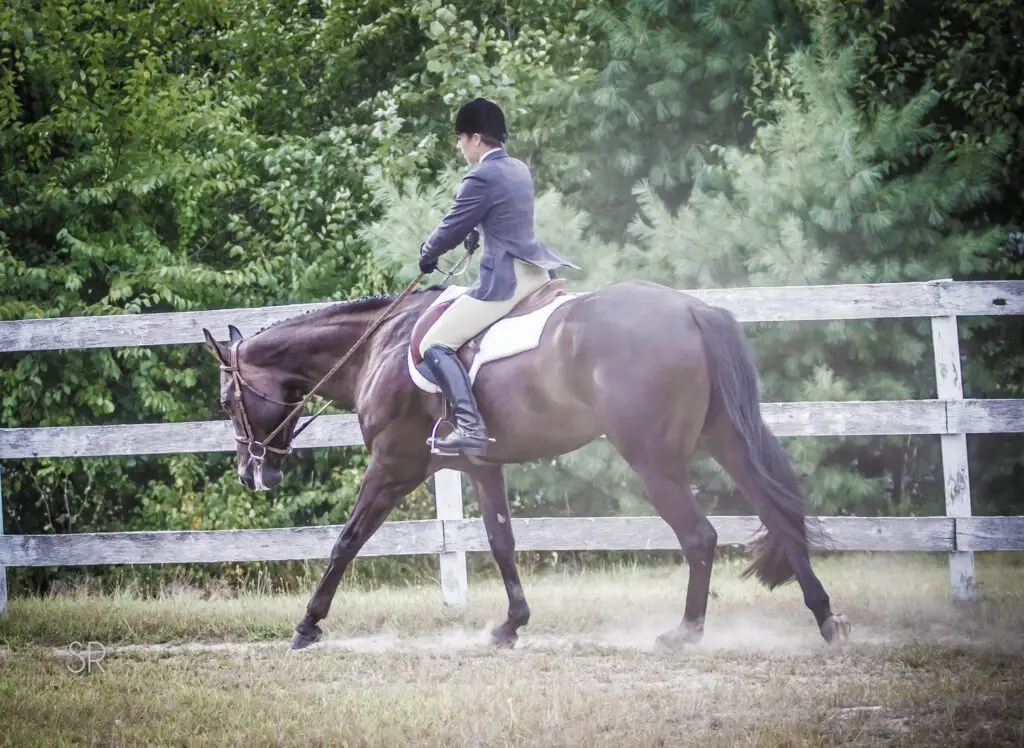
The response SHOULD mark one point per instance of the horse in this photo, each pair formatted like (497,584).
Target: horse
(655,371)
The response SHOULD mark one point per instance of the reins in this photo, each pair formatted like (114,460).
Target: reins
(263,445)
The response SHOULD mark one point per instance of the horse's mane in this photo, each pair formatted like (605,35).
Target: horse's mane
(362,304)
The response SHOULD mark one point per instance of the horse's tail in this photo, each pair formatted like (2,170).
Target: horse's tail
(757,462)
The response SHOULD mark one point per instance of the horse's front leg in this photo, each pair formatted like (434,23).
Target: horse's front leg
(492,497)
(380,492)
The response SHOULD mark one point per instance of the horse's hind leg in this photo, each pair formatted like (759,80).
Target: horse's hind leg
(666,482)
(730,452)
(492,496)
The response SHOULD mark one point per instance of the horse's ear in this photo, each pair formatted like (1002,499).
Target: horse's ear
(235,334)
(215,348)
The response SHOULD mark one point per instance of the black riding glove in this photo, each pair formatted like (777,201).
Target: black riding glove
(427,263)
(472,242)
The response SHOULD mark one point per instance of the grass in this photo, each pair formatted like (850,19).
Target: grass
(397,668)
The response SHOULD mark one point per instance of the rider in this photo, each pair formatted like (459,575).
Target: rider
(497,196)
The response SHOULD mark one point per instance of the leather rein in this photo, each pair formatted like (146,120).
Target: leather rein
(258,448)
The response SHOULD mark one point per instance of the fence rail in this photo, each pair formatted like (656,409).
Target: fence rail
(462,535)
(778,304)
(405,538)
(949,416)
(855,418)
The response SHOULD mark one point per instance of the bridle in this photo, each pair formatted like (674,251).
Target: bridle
(258,449)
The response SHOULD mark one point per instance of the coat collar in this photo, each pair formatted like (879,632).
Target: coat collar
(495,153)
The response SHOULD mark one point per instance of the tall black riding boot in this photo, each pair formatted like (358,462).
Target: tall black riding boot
(470,436)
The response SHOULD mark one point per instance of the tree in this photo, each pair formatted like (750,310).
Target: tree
(826,192)
(829,193)
(146,169)
(671,82)
(509,52)
(971,54)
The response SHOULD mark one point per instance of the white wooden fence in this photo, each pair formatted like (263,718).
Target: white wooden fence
(452,536)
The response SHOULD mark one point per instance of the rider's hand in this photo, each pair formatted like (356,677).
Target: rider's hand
(427,265)
(472,241)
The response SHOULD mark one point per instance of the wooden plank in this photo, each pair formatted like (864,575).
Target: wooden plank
(990,533)
(1000,416)
(949,386)
(980,298)
(836,302)
(3,569)
(774,304)
(869,300)
(160,438)
(131,330)
(652,533)
(454,574)
(858,418)
(213,546)
(785,419)
(435,536)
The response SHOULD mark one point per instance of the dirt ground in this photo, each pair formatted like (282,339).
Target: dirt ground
(398,668)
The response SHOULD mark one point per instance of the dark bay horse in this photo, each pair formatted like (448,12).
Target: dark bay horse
(657,372)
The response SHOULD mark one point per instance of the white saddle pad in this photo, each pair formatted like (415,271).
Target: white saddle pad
(506,337)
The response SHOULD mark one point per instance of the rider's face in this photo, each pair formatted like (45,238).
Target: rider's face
(471,147)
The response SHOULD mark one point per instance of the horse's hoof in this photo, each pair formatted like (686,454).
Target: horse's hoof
(503,639)
(305,635)
(678,638)
(835,628)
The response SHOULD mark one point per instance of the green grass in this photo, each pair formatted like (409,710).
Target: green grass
(398,668)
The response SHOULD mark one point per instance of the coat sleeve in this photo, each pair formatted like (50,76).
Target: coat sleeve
(470,206)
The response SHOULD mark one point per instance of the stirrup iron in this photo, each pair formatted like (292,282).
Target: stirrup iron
(434,438)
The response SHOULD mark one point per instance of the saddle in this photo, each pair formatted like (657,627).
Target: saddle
(531,303)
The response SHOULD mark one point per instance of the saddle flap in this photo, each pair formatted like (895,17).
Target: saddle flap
(423,324)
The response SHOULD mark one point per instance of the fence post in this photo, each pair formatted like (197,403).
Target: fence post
(3,569)
(448,498)
(949,384)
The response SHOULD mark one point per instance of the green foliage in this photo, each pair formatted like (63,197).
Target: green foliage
(671,82)
(969,54)
(212,155)
(830,194)
(144,170)
(825,193)
(509,52)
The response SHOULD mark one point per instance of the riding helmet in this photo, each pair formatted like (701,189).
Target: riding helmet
(482,116)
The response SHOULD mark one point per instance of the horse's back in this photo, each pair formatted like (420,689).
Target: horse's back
(639,311)
(629,350)
(633,329)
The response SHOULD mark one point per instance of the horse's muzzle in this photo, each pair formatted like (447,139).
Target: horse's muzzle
(257,475)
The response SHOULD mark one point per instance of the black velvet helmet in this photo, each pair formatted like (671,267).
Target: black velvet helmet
(482,116)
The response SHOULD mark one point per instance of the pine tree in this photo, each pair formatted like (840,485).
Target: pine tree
(971,52)
(829,193)
(670,82)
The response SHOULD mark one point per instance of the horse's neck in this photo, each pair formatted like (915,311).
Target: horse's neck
(305,349)
(304,355)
